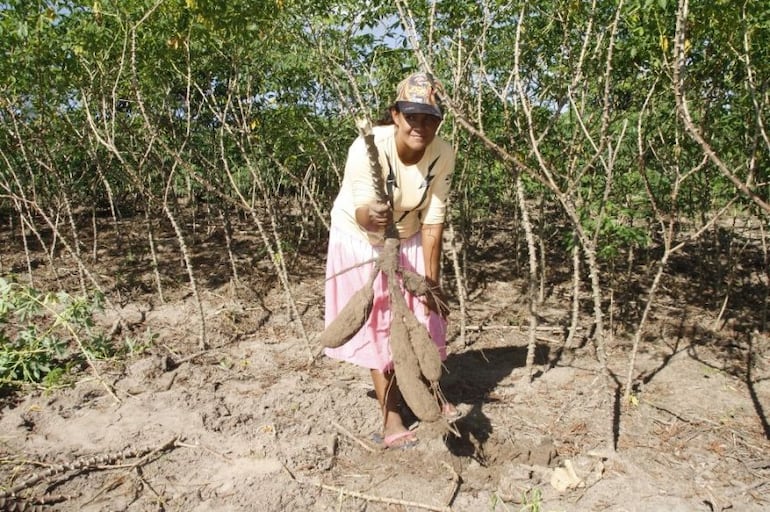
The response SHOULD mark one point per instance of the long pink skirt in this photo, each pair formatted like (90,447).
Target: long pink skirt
(370,347)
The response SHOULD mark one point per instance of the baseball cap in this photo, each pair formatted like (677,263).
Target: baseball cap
(416,94)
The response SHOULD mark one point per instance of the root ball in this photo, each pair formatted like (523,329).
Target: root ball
(387,261)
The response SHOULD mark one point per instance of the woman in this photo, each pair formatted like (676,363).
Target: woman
(417,167)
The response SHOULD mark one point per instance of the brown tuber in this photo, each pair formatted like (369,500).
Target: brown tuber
(387,261)
(424,349)
(352,317)
(416,393)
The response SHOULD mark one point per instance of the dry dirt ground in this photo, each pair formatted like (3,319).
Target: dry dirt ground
(256,423)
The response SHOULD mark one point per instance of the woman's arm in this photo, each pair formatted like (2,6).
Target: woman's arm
(431,248)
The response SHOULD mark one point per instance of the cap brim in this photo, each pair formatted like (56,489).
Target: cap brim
(409,107)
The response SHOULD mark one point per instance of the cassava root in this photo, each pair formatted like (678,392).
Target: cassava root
(352,317)
(415,391)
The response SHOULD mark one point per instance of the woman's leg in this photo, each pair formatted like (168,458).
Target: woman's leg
(389,397)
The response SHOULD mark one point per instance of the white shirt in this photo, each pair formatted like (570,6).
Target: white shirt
(419,191)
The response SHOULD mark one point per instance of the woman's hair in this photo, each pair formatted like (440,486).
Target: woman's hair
(386,118)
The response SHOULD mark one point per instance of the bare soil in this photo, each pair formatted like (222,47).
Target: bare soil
(258,422)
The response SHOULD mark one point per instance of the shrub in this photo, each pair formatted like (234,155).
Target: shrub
(45,335)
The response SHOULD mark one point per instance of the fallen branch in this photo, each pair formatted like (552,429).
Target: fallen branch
(17,504)
(348,433)
(115,482)
(455,484)
(341,491)
(86,464)
(501,327)
(378,499)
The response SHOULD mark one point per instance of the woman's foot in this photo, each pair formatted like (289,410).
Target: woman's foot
(400,440)
(395,434)
(450,412)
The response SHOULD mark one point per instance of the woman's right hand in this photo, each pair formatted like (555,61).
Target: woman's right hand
(374,216)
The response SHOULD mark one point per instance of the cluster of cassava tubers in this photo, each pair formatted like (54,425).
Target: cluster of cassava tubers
(416,359)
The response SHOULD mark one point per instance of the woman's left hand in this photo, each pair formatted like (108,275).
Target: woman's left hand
(435,301)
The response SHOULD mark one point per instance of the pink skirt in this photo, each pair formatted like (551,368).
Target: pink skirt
(370,347)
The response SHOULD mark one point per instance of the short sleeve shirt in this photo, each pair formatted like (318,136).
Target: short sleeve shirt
(420,190)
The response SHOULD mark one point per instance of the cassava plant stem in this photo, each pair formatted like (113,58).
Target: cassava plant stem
(532,298)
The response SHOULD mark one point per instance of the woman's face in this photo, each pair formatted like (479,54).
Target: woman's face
(414,132)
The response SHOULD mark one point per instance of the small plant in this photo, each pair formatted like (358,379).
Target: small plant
(496,500)
(532,500)
(137,346)
(44,335)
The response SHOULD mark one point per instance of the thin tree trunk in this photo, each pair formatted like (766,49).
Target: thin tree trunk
(23,233)
(599,344)
(202,336)
(154,255)
(76,241)
(541,243)
(766,280)
(462,291)
(575,316)
(532,286)
(113,208)
(28,224)
(95,244)
(640,328)
(229,243)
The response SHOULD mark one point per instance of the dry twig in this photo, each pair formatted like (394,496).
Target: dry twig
(455,484)
(348,433)
(378,499)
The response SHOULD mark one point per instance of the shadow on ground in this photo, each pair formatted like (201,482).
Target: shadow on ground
(470,378)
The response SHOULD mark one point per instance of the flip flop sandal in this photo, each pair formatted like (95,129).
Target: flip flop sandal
(449,415)
(398,441)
